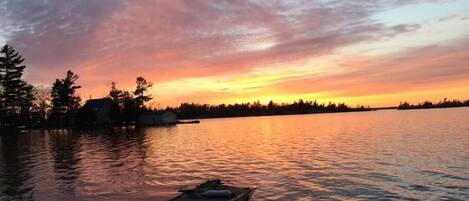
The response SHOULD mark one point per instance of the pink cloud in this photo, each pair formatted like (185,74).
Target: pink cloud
(111,40)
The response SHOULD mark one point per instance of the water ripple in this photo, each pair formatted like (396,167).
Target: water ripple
(385,155)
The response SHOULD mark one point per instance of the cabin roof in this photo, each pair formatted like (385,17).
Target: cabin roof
(97,103)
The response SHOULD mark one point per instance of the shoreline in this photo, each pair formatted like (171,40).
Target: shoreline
(197,120)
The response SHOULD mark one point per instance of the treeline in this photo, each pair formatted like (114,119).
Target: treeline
(193,111)
(25,105)
(445,103)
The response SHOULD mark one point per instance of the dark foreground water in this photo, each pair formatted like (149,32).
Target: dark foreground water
(418,154)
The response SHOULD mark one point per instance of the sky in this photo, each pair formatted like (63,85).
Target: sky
(367,52)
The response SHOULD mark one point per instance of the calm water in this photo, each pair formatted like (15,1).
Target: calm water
(420,154)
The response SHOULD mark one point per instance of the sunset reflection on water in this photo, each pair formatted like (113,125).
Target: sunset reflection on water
(368,155)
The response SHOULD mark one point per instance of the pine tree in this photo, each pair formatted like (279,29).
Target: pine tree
(117,109)
(64,101)
(57,99)
(27,98)
(16,95)
(115,94)
(72,101)
(142,87)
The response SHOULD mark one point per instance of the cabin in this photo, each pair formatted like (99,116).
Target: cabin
(156,119)
(97,112)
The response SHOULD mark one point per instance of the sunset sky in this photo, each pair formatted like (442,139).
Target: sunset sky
(375,53)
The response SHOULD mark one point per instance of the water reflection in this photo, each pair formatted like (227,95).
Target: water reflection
(15,168)
(374,155)
(64,149)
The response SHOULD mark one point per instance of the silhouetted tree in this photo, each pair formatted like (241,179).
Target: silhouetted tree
(271,107)
(64,101)
(42,104)
(404,105)
(142,87)
(130,104)
(27,98)
(16,95)
(115,94)
(129,107)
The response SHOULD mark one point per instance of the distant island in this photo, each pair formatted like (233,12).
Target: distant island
(196,111)
(445,103)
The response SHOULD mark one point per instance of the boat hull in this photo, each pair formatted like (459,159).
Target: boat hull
(201,193)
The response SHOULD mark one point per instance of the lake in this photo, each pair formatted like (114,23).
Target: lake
(388,154)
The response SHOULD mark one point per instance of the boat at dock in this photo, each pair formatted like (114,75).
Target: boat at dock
(215,190)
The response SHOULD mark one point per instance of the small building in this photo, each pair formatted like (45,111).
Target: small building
(168,117)
(156,119)
(97,112)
